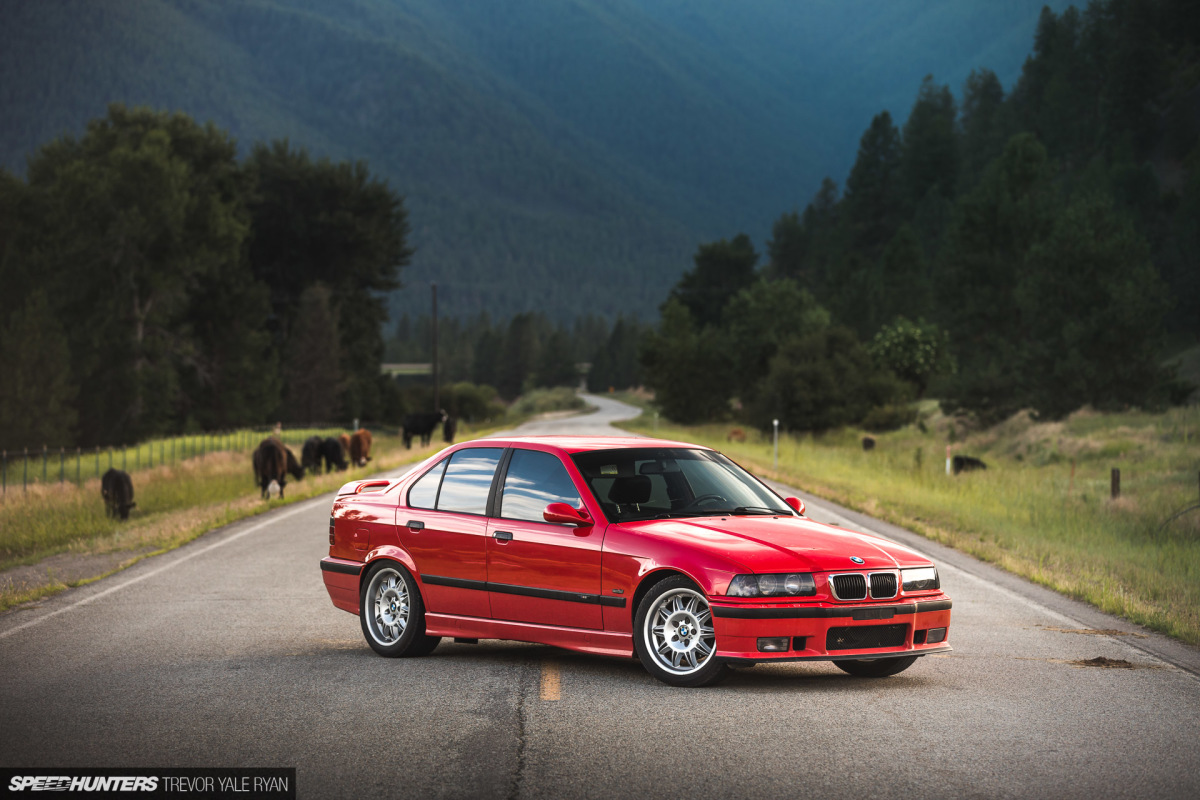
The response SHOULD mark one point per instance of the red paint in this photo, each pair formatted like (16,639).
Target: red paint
(603,560)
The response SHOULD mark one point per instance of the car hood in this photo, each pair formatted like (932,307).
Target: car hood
(783,544)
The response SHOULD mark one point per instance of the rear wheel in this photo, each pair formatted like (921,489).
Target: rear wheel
(674,637)
(876,668)
(392,614)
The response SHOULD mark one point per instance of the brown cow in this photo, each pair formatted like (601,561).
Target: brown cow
(271,466)
(736,435)
(360,447)
(344,440)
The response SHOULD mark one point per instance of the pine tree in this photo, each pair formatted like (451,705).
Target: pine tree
(313,358)
(37,396)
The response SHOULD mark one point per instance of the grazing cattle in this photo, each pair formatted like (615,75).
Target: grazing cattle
(449,428)
(736,435)
(334,455)
(422,425)
(966,464)
(293,466)
(271,465)
(310,454)
(344,441)
(117,490)
(360,447)
(868,443)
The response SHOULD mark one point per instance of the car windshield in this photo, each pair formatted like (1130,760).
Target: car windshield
(672,482)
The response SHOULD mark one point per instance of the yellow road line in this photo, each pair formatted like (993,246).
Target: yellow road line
(551,681)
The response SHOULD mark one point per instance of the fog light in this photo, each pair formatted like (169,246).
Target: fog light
(800,643)
(919,637)
(935,635)
(774,644)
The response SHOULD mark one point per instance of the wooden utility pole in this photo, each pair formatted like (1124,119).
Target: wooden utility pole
(436,403)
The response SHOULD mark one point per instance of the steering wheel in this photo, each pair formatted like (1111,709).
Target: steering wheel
(701,500)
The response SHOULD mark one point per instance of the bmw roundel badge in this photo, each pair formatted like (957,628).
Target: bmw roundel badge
(856,559)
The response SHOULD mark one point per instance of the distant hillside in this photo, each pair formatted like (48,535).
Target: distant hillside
(562,156)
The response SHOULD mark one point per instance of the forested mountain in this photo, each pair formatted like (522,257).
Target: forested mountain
(564,156)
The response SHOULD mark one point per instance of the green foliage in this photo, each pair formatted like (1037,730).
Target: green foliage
(930,152)
(915,352)
(37,401)
(556,362)
(312,360)
(615,364)
(758,320)
(542,401)
(823,380)
(1092,305)
(687,368)
(721,269)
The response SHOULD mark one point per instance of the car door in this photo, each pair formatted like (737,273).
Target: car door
(542,572)
(444,527)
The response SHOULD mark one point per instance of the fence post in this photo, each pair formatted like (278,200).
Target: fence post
(1116,483)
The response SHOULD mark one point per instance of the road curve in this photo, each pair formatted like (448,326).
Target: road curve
(227,652)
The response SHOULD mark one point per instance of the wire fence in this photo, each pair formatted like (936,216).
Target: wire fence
(76,465)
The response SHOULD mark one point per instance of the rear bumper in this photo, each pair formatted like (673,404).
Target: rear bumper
(341,581)
(807,628)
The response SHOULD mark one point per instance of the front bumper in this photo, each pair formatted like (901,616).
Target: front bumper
(739,626)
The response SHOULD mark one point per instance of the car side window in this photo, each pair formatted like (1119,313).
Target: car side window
(423,493)
(468,480)
(534,481)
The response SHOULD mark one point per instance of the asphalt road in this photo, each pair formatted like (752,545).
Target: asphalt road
(227,652)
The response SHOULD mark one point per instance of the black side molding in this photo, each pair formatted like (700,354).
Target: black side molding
(345,569)
(525,591)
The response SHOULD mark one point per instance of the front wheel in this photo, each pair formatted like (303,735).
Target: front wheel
(674,635)
(876,668)
(392,614)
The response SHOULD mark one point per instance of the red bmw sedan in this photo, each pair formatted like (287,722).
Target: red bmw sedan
(664,551)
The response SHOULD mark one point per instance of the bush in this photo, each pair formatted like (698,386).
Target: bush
(541,401)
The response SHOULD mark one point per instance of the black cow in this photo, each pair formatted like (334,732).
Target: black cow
(293,466)
(310,454)
(271,466)
(331,451)
(449,428)
(966,464)
(117,490)
(868,443)
(422,425)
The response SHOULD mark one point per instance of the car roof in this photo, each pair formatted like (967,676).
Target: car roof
(579,444)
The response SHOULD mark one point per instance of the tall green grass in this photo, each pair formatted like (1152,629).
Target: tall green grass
(1025,512)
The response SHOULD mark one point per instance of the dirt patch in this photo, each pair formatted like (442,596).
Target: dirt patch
(1103,663)
(1094,631)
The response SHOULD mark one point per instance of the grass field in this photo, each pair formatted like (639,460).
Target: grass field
(1041,509)
(175,504)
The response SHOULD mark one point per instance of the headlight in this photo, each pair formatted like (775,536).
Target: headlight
(916,580)
(794,584)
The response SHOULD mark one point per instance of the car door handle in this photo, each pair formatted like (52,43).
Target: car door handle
(504,536)
(416,525)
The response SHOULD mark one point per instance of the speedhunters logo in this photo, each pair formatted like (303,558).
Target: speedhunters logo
(93,783)
(246,784)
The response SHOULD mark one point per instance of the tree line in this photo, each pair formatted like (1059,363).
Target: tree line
(1035,249)
(151,282)
(527,351)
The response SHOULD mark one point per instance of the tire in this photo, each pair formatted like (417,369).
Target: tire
(673,635)
(876,668)
(392,613)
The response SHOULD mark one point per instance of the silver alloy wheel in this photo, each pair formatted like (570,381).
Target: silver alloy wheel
(678,631)
(389,606)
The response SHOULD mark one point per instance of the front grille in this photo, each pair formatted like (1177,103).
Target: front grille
(883,585)
(863,637)
(850,587)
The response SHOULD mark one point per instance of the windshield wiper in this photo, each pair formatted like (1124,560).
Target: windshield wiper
(758,510)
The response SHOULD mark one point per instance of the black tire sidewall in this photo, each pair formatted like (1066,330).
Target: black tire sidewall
(710,673)
(413,632)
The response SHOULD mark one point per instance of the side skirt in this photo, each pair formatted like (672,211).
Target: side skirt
(585,641)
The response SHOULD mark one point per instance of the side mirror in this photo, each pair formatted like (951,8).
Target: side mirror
(796,503)
(564,514)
